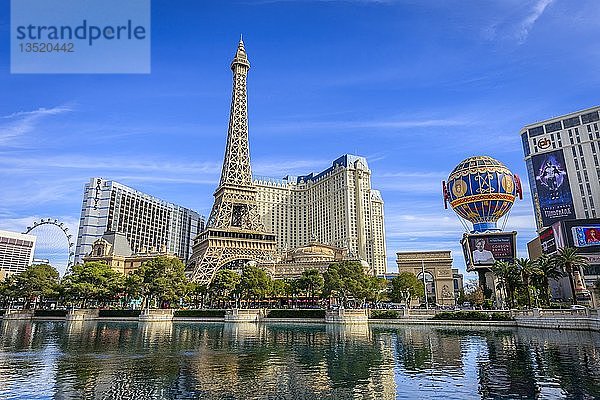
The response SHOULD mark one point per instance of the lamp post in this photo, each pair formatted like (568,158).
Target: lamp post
(424,284)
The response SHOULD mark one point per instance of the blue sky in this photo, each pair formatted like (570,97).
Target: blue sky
(415,86)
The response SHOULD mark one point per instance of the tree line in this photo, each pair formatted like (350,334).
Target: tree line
(525,281)
(161,282)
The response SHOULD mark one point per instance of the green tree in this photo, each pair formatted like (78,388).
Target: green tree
(279,288)
(568,260)
(379,289)
(224,285)
(7,290)
(508,277)
(312,282)
(92,281)
(545,270)
(405,287)
(196,293)
(347,279)
(37,283)
(160,278)
(527,269)
(476,296)
(255,283)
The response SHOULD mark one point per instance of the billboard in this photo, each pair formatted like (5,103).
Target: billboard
(548,241)
(483,250)
(552,184)
(586,236)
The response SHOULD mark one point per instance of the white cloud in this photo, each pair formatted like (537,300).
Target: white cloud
(21,123)
(530,19)
(518,20)
(375,124)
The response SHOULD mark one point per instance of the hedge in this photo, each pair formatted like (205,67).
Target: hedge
(119,313)
(50,313)
(472,316)
(2,312)
(200,313)
(385,314)
(297,313)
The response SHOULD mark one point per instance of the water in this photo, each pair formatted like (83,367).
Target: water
(123,360)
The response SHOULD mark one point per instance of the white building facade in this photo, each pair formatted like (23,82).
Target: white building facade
(149,223)
(336,207)
(563,164)
(16,252)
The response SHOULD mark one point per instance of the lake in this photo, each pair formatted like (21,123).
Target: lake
(130,360)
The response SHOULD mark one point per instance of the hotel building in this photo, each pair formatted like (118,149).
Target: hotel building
(336,207)
(16,252)
(148,223)
(562,156)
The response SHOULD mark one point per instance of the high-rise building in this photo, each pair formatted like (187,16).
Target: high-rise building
(337,207)
(16,252)
(562,156)
(148,223)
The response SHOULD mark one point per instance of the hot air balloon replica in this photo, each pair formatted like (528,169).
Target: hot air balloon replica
(481,190)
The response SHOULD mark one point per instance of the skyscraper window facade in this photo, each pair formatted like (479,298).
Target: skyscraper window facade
(336,206)
(16,252)
(149,223)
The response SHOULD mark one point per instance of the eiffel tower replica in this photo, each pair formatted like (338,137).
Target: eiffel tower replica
(234,232)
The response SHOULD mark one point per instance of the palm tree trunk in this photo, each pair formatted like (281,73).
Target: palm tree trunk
(547,292)
(572,283)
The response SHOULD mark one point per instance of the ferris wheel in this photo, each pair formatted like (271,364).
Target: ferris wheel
(53,245)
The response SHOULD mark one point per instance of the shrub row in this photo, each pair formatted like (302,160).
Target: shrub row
(385,314)
(2,312)
(200,313)
(119,313)
(297,313)
(472,316)
(50,313)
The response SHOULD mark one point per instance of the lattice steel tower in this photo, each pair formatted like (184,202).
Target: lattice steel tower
(234,232)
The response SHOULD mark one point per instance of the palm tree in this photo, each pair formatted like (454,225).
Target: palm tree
(526,268)
(568,260)
(545,269)
(508,278)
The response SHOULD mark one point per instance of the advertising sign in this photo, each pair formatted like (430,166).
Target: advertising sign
(485,249)
(548,241)
(552,184)
(586,236)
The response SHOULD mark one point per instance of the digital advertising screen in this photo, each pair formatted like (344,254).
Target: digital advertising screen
(586,236)
(486,249)
(552,184)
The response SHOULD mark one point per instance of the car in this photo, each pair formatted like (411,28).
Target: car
(578,307)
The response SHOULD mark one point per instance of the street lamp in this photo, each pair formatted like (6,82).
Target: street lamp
(424,284)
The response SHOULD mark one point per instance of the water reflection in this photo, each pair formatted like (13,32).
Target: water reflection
(114,360)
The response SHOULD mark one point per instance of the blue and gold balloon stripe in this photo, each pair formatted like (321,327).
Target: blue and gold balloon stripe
(481,184)
(483,211)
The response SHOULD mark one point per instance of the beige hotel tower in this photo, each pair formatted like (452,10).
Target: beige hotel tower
(336,207)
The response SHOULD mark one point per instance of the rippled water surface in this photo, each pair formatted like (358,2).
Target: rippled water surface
(122,360)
